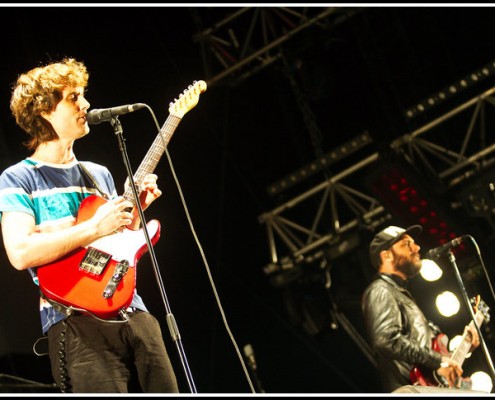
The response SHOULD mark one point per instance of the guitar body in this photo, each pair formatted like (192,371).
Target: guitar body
(81,277)
(418,377)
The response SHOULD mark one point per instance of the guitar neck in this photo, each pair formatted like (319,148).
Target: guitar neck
(462,350)
(186,101)
(460,353)
(153,155)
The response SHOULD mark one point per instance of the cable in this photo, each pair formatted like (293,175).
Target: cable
(482,264)
(202,253)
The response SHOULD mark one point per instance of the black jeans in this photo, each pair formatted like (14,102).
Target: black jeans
(111,356)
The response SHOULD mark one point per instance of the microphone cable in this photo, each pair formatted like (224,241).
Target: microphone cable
(186,210)
(483,267)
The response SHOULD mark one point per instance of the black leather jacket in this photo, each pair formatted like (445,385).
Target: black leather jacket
(399,333)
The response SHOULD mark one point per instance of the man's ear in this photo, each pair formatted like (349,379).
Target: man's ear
(46,115)
(386,255)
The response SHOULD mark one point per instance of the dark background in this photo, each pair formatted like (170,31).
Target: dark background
(358,75)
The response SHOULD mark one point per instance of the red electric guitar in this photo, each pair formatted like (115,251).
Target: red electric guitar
(101,277)
(440,345)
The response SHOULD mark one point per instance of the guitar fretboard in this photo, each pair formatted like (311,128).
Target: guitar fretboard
(154,154)
(462,350)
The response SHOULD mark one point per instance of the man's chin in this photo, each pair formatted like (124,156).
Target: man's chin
(415,271)
(411,269)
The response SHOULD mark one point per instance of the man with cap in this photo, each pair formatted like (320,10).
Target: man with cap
(399,333)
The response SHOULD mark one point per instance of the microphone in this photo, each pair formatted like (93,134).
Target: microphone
(438,251)
(100,115)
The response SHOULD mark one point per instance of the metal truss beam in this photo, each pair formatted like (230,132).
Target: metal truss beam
(330,209)
(249,39)
(455,146)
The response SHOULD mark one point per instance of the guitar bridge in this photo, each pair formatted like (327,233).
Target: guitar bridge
(120,270)
(94,261)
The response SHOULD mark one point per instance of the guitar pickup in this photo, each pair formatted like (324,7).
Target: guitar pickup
(94,261)
(120,270)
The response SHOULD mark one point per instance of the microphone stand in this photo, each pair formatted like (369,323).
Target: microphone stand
(172,325)
(471,312)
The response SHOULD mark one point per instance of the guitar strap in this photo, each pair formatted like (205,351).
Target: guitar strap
(70,310)
(93,181)
(58,306)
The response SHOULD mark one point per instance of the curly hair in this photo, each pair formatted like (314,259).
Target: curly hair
(40,90)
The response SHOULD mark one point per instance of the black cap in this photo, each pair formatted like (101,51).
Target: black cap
(386,238)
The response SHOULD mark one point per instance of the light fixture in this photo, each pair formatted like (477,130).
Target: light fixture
(451,90)
(430,271)
(447,304)
(320,164)
(481,381)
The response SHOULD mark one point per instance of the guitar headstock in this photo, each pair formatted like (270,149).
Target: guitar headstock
(481,309)
(187,100)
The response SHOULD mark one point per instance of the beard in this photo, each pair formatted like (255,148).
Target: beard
(406,265)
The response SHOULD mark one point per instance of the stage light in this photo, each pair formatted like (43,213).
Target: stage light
(447,304)
(430,271)
(452,90)
(408,200)
(320,164)
(482,382)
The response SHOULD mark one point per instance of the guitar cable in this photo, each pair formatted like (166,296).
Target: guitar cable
(64,375)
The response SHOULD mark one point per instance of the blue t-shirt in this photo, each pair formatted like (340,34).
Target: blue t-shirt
(52,194)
